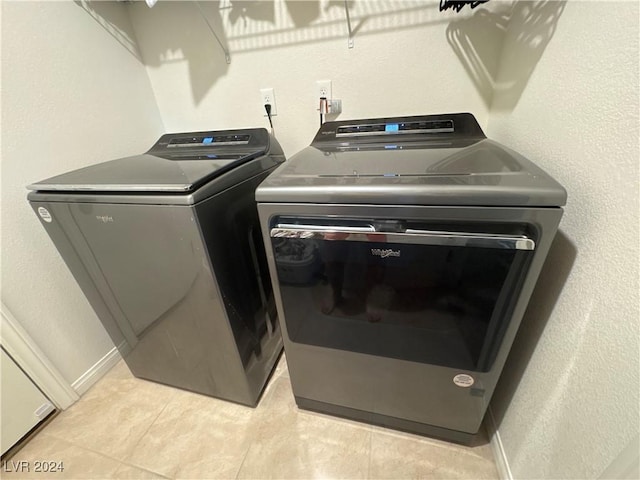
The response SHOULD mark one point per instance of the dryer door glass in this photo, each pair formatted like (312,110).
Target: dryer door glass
(431,296)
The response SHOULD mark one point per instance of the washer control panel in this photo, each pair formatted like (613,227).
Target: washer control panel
(209,140)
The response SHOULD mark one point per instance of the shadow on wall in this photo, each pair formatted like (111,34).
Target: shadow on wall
(176,33)
(500,49)
(119,27)
(551,281)
(297,22)
(250,9)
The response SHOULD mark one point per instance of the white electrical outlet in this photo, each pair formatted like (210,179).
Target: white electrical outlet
(268,96)
(323,89)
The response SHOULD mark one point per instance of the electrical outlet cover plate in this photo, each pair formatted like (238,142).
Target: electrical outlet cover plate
(267,95)
(323,89)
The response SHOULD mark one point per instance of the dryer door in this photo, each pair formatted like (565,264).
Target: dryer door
(438,296)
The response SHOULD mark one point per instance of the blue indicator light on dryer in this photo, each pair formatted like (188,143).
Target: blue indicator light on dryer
(390,147)
(391,127)
(207,140)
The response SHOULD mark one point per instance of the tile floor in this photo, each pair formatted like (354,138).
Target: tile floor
(133,429)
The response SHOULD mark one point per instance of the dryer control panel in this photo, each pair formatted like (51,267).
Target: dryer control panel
(390,128)
(415,128)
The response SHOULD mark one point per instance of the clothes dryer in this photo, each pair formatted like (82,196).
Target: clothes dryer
(403,252)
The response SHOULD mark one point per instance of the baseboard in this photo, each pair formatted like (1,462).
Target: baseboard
(500,456)
(95,373)
(17,342)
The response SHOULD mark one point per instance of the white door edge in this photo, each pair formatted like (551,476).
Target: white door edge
(17,342)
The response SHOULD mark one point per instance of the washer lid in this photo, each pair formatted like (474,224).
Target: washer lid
(177,163)
(146,173)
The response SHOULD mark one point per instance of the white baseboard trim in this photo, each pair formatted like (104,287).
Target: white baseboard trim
(500,456)
(17,342)
(95,373)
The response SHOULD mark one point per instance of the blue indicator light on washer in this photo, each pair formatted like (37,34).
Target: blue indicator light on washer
(212,156)
(391,147)
(391,127)
(207,140)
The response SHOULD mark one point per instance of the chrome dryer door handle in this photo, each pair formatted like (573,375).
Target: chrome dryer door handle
(409,236)
(325,228)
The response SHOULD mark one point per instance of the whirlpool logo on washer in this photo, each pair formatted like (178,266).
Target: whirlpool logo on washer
(104,218)
(378,252)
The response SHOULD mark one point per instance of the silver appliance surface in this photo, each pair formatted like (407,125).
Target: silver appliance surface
(403,252)
(155,264)
(143,173)
(176,163)
(450,168)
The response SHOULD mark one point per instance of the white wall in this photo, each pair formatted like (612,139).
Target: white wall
(72,95)
(568,401)
(402,63)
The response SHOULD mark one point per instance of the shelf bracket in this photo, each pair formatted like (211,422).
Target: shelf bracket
(346,11)
(227,56)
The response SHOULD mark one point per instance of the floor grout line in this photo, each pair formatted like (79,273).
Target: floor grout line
(106,455)
(370,452)
(84,447)
(267,394)
(91,450)
(244,457)
(145,470)
(126,458)
(142,436)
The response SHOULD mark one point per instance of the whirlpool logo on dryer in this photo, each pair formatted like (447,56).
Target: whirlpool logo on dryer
(378,252)
(104,218)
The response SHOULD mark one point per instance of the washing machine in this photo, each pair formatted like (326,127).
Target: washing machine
(167,248)
(403,252)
